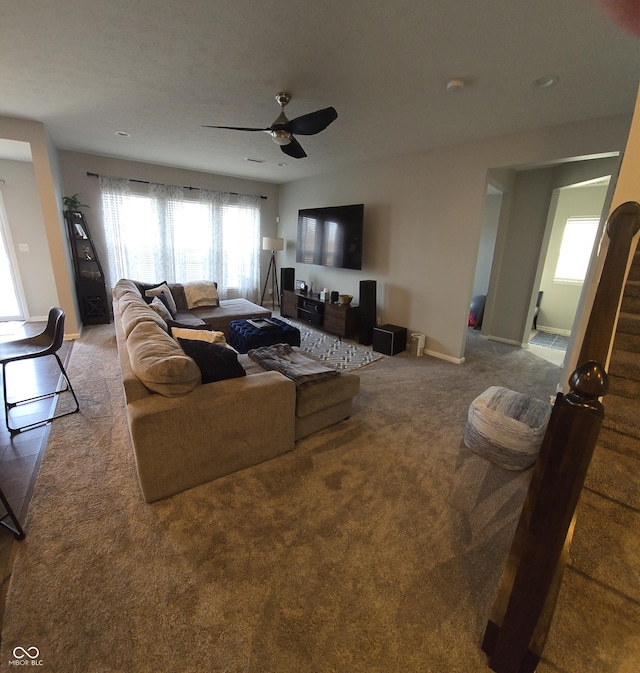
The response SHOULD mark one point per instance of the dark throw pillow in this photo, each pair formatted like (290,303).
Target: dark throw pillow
(216,362)
(143,287)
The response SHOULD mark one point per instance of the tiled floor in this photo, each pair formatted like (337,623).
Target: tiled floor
(20,456)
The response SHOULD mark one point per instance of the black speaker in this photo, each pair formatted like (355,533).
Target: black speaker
(389,339)
(287,280)
(368,309)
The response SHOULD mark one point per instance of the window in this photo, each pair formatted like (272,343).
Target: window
(575,250)
(164,236)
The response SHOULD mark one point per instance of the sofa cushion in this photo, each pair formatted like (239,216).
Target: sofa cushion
(124,286)
(230,309)
(163,289)
(215,361)
(188,323)
(135,311)
(159,362)
(318,396)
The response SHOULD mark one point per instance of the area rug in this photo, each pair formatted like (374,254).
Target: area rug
(343,355)
(375,546)
(558,342)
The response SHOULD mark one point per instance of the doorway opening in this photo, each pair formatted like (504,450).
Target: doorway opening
(525,216)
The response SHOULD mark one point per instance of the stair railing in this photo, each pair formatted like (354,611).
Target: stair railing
(523,609)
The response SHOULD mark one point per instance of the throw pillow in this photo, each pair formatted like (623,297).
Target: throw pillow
(198,335)
(215,361)
(164,289)
(201,293)
(160,308)
(165,300)
(143,287)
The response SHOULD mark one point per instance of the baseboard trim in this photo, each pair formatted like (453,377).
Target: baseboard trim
(553,330)
(511,342)
(442,356)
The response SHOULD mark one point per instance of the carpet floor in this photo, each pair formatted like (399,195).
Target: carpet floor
(376,545)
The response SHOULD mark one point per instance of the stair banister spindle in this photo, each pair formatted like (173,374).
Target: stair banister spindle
(545,524)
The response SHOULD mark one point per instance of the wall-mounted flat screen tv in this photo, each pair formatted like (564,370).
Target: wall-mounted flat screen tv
(331,236)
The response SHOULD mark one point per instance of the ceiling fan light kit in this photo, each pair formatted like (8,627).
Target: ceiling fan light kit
(281,137)
(282,130)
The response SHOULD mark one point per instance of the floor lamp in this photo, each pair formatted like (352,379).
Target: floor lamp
(272,244)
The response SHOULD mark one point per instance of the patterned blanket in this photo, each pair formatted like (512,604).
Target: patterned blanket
(301,368)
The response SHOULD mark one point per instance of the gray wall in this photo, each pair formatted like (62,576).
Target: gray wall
(523,239)
(488,237)
(423,222)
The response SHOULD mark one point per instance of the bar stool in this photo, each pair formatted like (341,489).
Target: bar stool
(48,342)
(14,527)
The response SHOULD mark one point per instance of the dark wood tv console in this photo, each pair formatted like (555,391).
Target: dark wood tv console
(340,319)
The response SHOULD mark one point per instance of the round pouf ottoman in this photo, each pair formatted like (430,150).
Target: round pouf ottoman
(506,427)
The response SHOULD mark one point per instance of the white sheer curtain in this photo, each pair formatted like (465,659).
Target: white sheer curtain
(165,236)
(167,201)
(114,194)
(235,224)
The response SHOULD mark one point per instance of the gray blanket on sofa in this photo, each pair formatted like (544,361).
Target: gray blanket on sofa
(296,365)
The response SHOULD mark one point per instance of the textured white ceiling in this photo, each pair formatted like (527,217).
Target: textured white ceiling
(160,70)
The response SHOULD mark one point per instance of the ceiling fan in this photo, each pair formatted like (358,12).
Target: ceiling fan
(282,129)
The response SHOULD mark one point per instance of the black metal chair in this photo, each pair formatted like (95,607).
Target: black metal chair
(14,527)
(48,342)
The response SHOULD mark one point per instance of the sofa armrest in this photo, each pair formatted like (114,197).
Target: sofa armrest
(218,428)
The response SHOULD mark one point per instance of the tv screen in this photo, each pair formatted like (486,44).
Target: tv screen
(331,236)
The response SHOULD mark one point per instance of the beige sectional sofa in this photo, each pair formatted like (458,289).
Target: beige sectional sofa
(185,432)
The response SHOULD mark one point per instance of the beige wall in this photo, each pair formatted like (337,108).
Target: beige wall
(46,174)
(560,301)
(423,216)
(423,219)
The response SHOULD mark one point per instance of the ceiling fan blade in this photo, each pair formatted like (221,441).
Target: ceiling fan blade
(234,128)
(311,123)
(294,149)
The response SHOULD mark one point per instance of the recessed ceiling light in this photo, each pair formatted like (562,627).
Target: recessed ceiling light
(282,164)
(123,134)
(545,81)
(455,84)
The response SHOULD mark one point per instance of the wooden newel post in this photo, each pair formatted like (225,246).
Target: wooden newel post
(521,614)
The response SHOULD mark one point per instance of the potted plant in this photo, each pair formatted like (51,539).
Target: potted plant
(72,203)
